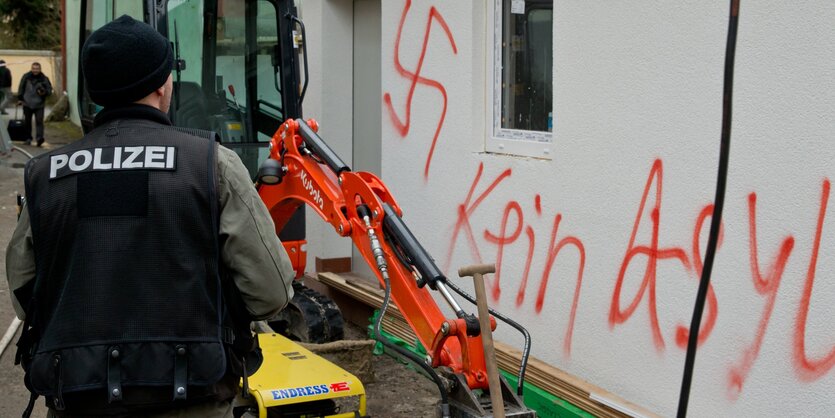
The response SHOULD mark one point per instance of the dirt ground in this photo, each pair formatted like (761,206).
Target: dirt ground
(395,392)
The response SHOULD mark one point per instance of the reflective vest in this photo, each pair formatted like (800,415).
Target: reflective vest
(128,306)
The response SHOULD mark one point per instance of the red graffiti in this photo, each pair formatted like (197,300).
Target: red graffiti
(554,249)
(766,282)
(509,230)
(538,204)
(682,332)
(546,273)
(415,78)
(466,209)
(520,295)
(653,254)
(811,369)
(766,286)
(503,239)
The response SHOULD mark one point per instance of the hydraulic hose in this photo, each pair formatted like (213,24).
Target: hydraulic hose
(382,266)
(402,351)
(526,348)
(716,220)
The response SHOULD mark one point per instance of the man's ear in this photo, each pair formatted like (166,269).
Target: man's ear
(160,90)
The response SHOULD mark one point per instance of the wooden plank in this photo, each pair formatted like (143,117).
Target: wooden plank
(553,380)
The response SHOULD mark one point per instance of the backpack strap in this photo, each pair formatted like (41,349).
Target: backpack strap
(31,405)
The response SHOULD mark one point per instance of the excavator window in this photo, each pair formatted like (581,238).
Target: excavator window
(269,95)
(235,72)
(95,14)
(226,81)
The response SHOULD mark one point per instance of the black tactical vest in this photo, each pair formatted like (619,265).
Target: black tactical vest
(127,300)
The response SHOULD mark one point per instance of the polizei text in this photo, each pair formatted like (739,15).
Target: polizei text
(146,157)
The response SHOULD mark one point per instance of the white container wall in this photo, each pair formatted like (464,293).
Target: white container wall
(599,244)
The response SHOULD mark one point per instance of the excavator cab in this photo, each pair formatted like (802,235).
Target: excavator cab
(235,71)
(227,73)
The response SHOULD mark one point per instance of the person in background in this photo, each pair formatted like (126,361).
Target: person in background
(32,92)
(5,86)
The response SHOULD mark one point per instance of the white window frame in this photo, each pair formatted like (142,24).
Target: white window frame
(536,144)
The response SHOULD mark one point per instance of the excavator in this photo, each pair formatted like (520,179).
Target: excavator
(237,73)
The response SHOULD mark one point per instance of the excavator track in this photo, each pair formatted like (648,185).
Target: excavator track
(310,317)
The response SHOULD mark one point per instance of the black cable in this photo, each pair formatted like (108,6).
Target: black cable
(526,348)
(403,258)
(716,220)
(402,351)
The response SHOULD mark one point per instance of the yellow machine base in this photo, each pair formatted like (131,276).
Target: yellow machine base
(292,375)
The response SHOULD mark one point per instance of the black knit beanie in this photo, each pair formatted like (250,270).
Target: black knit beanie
(124,61)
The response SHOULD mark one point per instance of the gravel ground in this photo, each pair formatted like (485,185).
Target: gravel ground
(396,391)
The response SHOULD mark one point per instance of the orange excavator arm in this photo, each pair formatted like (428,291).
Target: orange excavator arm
(303,170)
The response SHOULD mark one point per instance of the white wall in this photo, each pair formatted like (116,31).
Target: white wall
(329,27)
(367,143)
(637,86)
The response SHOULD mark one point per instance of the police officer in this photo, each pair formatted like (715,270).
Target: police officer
(137,246)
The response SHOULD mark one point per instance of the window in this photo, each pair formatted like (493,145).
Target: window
(95,14)
(522,78)
(246,36)
(185,30)
(230,59)
(269,91)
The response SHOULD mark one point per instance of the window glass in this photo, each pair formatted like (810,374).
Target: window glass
(231,56)
(100,12)
(185,30)
(191,104)
(233,69)
(526,67)
(269,94)
(97,14)
(231,50)
(522,77)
